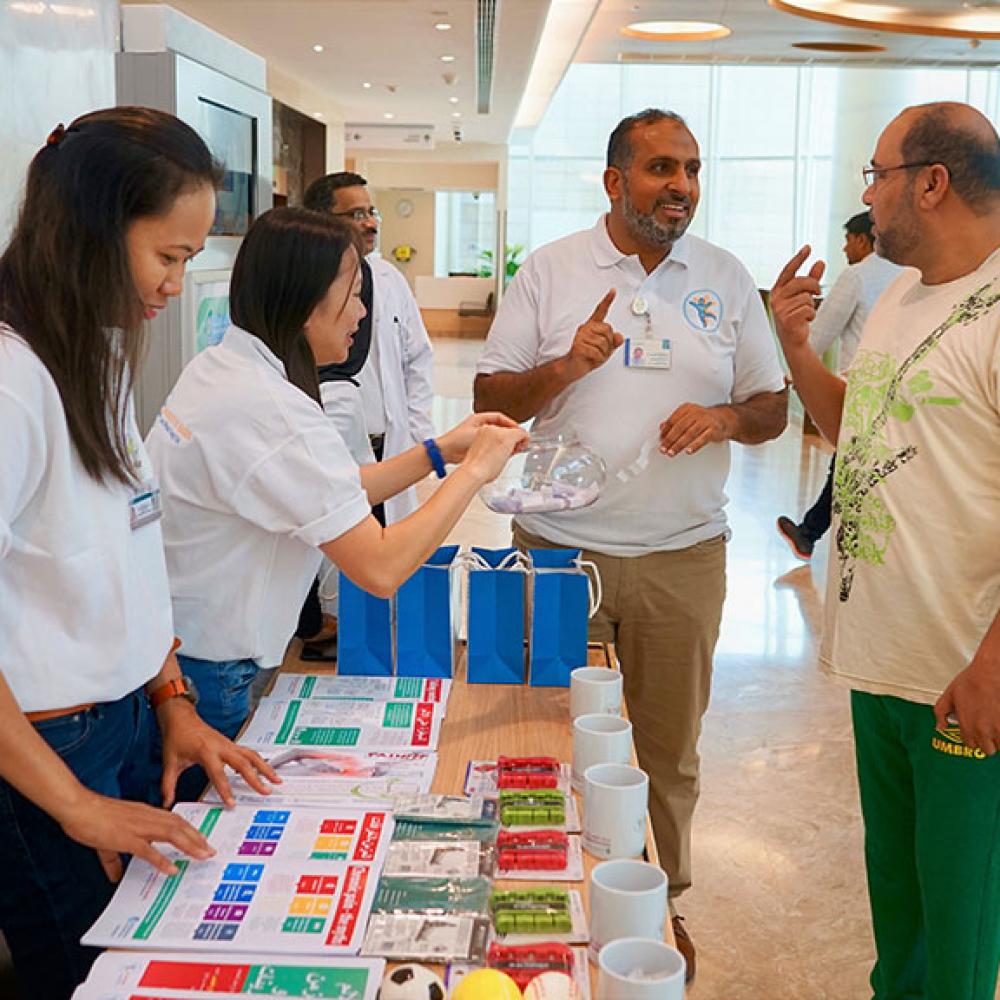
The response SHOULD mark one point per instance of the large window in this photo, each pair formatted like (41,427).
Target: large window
(464,232)
(782,148)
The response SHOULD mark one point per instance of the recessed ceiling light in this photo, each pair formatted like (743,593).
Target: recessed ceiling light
(456,114)
(443,26)
(837,47)
(388,114)
(453,100)
(447,58)
(366,85)
(317,48)
(675,31)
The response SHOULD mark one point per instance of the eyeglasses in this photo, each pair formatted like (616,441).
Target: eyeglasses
(360,214)
(872,174)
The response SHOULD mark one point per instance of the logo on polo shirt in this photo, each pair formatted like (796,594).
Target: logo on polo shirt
(703,310)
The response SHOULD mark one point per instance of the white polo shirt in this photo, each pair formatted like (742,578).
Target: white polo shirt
(722,350)
(254,477)
(84,604)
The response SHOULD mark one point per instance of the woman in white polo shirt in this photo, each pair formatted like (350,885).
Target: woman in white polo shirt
(257,483)
(114,205)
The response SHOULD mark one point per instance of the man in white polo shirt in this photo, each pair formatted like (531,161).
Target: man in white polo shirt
(693,368)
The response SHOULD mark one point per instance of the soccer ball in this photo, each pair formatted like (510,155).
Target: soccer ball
(411,982)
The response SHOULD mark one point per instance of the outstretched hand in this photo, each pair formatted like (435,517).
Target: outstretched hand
(455,444)
(114,827)
(793,300)
(595,341)
(188,740)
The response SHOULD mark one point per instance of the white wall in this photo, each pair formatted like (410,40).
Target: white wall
(53,67)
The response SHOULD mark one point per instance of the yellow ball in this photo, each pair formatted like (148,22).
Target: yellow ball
(486,984)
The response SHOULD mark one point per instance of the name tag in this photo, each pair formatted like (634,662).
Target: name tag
(144,507)
(653,353)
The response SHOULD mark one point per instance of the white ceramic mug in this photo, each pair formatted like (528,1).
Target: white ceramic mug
(628,899)
(638,969)
(595,690)
(615,800)
(599,739)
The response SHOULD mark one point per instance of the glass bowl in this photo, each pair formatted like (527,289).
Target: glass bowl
(554,473)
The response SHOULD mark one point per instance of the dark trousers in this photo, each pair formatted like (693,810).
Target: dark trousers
(817,519)
(52,888)
(311,615)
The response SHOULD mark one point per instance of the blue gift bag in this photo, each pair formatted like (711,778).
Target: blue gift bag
(496,616)
(425,633)
(560,605)
(364,632)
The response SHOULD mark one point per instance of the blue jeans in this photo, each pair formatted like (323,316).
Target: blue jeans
(223,690)
(52,888)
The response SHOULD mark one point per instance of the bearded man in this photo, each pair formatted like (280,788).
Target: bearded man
(654,348)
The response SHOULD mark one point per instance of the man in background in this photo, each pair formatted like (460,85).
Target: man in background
(840,319)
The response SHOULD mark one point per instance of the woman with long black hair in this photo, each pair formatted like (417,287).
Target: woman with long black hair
(258,484)
(114,207)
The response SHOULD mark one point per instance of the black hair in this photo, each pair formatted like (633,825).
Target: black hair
(321,195)
(860,225)
(65,280)
(620,151)
(284,268)
(972,159)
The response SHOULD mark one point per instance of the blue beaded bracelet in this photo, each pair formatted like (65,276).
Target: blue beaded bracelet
(437,460)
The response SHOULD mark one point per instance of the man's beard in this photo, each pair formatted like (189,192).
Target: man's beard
(900,237)
(646,228)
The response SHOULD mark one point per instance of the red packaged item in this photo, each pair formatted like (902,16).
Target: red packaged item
(541,850)
(524,962)
(527,772)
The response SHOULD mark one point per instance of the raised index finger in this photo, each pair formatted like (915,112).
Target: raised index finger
(603,306)
(788,271)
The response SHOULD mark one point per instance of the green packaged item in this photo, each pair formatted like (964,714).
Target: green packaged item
(432,895)
(421,829)
(532,807)
(531,911)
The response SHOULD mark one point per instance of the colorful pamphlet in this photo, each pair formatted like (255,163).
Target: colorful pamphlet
(367,724)
(148,974)
(291,880)
(322,775)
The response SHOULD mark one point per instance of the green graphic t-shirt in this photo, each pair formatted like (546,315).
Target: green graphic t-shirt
(915,568)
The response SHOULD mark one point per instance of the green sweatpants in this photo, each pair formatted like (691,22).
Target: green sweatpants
(931,808)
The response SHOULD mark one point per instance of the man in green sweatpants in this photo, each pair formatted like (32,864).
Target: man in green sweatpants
(913,603)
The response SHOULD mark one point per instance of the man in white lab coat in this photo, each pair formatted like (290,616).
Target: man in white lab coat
(392,392)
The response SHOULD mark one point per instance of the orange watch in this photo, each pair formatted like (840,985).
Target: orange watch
(179,687)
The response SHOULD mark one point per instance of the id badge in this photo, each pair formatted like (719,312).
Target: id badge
(144,507)
(653,353)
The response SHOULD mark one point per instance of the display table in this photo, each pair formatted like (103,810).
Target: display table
(485,721)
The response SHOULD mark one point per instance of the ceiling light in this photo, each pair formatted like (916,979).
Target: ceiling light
(837,47)
(24,7)
(447,58)
(388,114)
(443,26)
(456,114)
(367,86)
(909,18)
(317,114)
(317,48)
(453,100)
(675,31)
